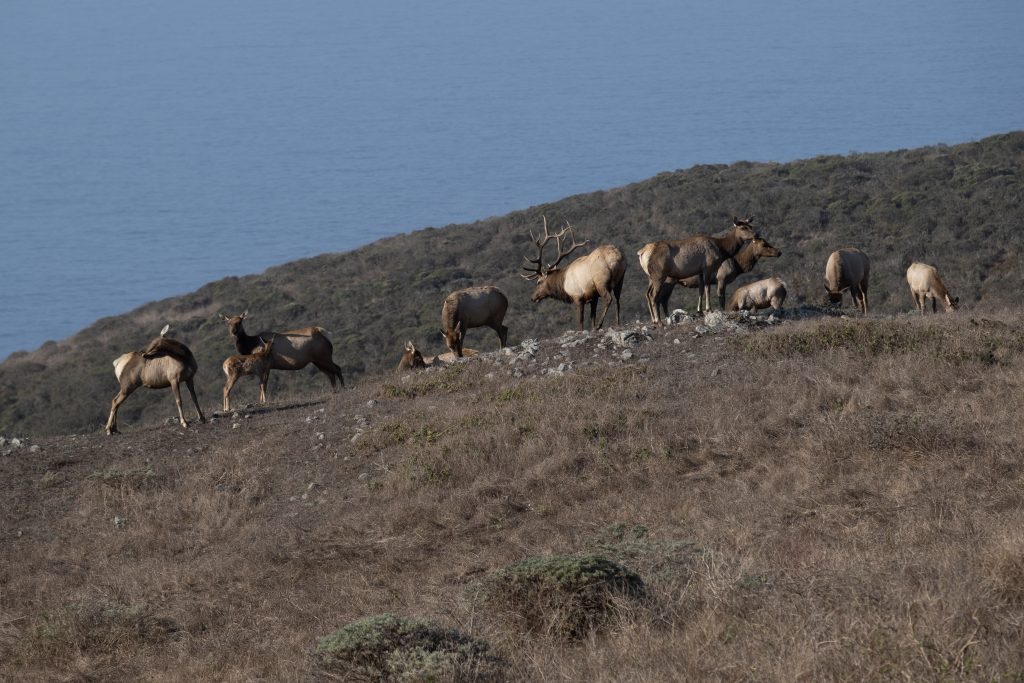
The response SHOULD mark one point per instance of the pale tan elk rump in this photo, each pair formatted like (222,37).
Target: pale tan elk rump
(597,275)
(925,284)
(164,363)
(848,269)
(473,307)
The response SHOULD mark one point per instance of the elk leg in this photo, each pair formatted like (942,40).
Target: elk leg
(935,305)
(652,306)
(333,372)
(192,392)
(721,293)
(607,298)
(502,336)
(579,307)
(228,385)
(263,386)
(593,314)
(617,289)
(114,405)
(176,390)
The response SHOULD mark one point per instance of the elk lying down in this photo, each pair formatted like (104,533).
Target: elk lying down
(164,363)
(256,363)
(598,275)
(848,268)
(757,295)
(412,359)
(473,307)
(925,284)
(292,350)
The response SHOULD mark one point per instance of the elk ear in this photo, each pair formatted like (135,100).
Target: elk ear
(222,316)
(244,314)
(164,330)
(735,221)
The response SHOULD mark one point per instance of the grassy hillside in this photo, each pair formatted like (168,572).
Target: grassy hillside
(822,499)
(957,207)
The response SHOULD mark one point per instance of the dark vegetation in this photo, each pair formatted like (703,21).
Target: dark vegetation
(823,499)
(957,207)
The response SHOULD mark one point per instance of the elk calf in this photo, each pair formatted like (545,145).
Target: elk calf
(164,363)
(848,268)
(757,295)
(257,363)
(412,359)
(925,284)
(473,307)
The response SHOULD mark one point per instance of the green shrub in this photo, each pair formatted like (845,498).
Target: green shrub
(562,595)
(385,647)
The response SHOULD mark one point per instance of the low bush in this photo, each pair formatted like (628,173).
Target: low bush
(562,595)
(389,648)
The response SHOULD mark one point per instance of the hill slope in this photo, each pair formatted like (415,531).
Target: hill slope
(957,207)
(825,499)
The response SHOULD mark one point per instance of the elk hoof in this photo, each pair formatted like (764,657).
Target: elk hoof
(112,430)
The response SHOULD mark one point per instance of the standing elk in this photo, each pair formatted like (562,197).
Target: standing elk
(164,363)
(291,350)
(473,307)
(256,363)
(925,284)
(848,268)
(743,262)
(757,295)
(698,256)
(598,275)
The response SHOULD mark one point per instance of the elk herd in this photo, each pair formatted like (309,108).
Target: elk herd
(698,261)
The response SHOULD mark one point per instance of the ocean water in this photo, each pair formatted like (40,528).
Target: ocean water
(149,147)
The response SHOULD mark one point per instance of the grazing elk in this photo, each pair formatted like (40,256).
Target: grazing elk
(697,256)
(757,295)
(256,363)
(412,359)
(925,284)
(291,350)
(743,262)
(473,307)
(164,363)
(598,275)
(848,268)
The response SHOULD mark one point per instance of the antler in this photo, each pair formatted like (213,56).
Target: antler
(539,268)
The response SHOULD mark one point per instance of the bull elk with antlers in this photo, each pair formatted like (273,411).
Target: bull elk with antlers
(598,275)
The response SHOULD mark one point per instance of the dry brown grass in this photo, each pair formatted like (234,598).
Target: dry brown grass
(829,500)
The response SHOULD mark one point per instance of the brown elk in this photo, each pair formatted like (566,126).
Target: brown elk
(291,350)
(413,359)
(743,262)
(473,307)
(697,256)
(598,275)
(256,363)
(848,268)
(925,284)
(164,363)
(757,295)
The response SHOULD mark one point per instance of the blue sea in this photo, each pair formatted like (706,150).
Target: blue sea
(148,147)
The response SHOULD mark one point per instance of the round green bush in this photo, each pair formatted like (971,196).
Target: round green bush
(390,648)
(562,595)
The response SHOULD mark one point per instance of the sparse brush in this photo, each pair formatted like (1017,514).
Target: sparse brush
(563,596)
(390,648)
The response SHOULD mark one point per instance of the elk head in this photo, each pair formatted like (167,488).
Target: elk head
(234,322)
(453,338)
(764,250)
(744,228)
(546,274)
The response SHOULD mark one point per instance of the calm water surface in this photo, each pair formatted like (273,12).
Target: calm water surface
(149,147)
